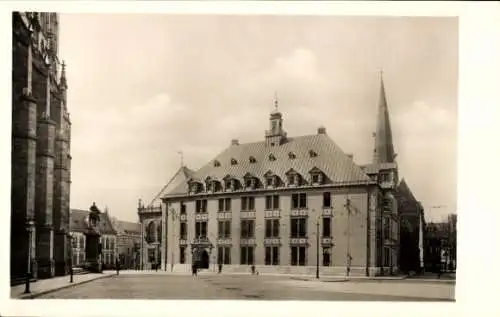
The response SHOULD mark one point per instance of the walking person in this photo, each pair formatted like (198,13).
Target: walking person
(220,267)
(117,266)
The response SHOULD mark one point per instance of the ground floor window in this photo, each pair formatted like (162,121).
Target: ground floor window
(81,260)
(75,258)
(327,256)
(224,255)
(182,255)
(272,256)
(298,256)
(247,255)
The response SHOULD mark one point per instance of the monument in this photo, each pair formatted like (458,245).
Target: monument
(93,246)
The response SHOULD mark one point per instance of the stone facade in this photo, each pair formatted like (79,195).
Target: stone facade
(128,236)
(40,165)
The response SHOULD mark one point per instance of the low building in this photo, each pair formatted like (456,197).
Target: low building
(78,228)
(128,236)
(440,242)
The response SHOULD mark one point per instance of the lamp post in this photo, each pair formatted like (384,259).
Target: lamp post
(348,252)
(29,229)
(317,249)
(71,260)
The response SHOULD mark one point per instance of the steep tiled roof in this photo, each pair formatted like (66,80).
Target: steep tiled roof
(330,159)
(182,174)
(77,221)
(126,227)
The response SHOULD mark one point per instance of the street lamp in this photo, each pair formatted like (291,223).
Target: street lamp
(29,228)
(348,252)
(317,248)
(71,260)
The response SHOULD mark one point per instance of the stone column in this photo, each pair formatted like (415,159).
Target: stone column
(24,109)
(45,186)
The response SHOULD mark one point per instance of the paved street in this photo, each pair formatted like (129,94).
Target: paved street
(211,286)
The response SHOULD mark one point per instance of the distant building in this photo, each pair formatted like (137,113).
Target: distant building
(441,245)
(128,236)
(269,202)
(41,160)
(412,224)
(78,228)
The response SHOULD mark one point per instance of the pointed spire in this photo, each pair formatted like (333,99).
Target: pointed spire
(384,147)
(275,100)
(64,84)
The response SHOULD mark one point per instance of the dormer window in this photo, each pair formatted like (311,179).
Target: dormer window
(291,155)
(195,187)
(312,153)
(272,157)
(294,178)
(216,163)
(252,160)
(316,176)
(270,181)
(250,181)
(234,161)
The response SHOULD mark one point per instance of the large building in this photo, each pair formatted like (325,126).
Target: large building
(441,245)
(41,160)
(108,238)
(286,204)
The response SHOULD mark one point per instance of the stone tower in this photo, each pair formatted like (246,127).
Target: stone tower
(384,162)
(40,191)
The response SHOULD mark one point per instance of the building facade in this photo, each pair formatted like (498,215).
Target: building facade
(287,204)
(107,238)
(128,237)
(441,245)
(41,139)
(412,224)
(150,218)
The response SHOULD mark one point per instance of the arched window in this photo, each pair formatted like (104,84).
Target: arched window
(234,161)
(291,155)
(216,163)
(150,232)
(252,159)
(272,157)
(158,231)
(312,153)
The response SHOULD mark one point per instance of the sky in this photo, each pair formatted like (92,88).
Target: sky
(144,87)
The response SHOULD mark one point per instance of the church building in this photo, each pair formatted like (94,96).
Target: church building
(41,140)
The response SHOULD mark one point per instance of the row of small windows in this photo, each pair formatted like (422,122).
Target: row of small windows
(298,255)
(271,157)
(298,228)
(251,181)
(299,201)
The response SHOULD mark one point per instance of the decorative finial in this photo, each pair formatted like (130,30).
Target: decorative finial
(182,158)
(276,100)
(63,75)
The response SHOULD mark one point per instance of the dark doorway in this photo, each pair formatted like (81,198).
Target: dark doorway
(205,260)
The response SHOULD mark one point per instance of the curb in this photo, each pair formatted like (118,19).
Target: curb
(33,296)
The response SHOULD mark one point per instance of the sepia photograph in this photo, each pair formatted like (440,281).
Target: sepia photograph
(243,158)
(221,157)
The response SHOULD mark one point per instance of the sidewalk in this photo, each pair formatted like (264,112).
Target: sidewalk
(41,287)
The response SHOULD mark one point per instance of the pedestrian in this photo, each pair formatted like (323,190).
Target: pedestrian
(253,269)
(193,268)
(156,266)
(220,267)
(117,266)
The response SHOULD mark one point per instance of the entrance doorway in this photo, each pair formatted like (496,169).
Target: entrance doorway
(205,260)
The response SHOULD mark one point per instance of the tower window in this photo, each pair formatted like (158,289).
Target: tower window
(252,159)
(312,153)
(216,163)
(234,161)
(272,157)
(291,156)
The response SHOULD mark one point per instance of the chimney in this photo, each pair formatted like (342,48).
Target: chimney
(235,142)
(321,130)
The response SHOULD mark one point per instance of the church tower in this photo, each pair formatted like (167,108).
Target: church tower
(276,135)
(384,162)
